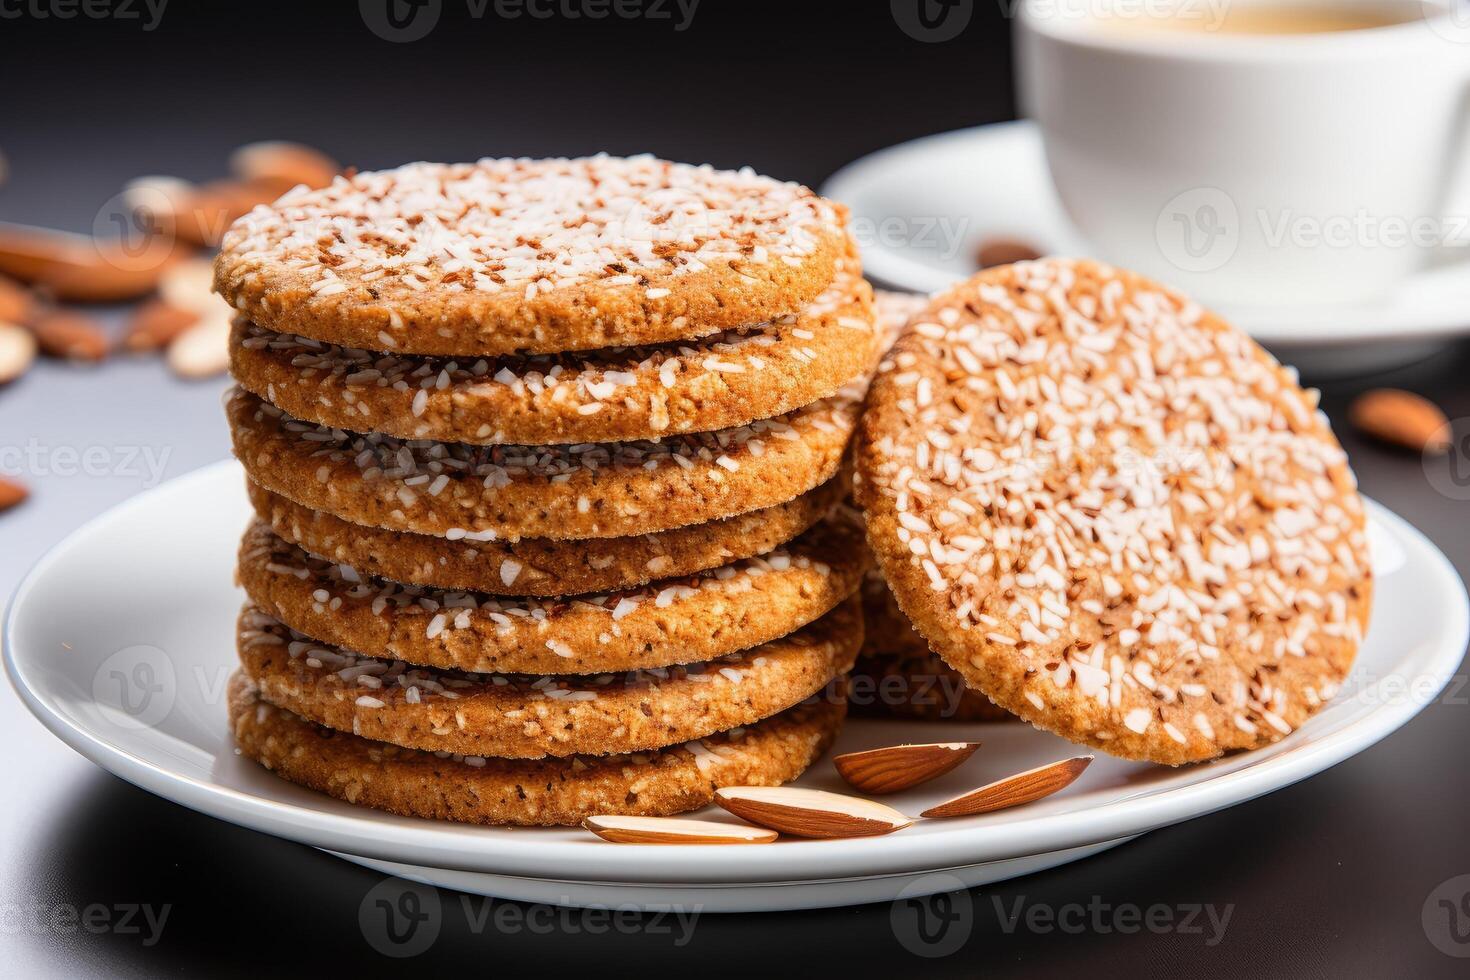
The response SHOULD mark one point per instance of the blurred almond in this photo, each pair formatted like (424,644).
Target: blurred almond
(673,830)
(1023,787)
(11,493)
(897,767)
(1003,251)
(155,324)
(203,350)
(810,812)
(190,286)
(65,333)
(17,303)
(285,164)
(1402,418)
(17,352)
(78,268)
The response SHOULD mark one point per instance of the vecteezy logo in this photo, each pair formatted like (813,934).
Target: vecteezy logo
(1449,473)
(138,680)
(932,916)
(932,21)
(400,21)
(400,918)
(1446,916)
(1198,230)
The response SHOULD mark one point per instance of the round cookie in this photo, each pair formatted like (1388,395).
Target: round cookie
(730,608)
(598,490)
(538,566)
(502,256)
(1114,514)
(529,792)
(718,382)
(531,717)
(896,674)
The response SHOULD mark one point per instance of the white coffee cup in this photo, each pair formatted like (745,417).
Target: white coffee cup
(1254,169)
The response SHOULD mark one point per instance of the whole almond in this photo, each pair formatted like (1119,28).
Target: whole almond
(203,350)
(1023,787)
(77,268)
(673,830)
(17,351)
(155,324)
(287,164)
(1402,418)
(810,812)
(17,303)
(897,767)
(11,493)
(1003,251)
(75,336)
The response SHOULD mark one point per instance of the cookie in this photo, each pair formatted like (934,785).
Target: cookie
(505,256)
(894,310)
(597,490)
(517,716)
(896,674)
(718,382)
(538,566)
(1114,514)
(700,617)
(529,792)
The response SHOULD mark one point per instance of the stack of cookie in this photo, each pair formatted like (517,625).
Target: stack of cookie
(543,455)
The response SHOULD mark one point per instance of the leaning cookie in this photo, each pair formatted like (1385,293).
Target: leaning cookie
(717,382)
(539,792)
(538,566)
(520,716)
(1114,514)
(671,621)
(600,490)
(502,256)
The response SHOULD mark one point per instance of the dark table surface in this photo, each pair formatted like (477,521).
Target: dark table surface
(1328,877)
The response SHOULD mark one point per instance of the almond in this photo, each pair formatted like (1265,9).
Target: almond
(203,350)
(77,268)
(897,767)
(286,164)
(1402,418)
(672,830)
(190,286)
(17,351)
(76,336)
(11,493)
(1003,251)
(17,304)
(155,324)
(810,812)
(1023,787)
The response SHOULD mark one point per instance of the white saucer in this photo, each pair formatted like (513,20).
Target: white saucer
(921,209)
(121,639)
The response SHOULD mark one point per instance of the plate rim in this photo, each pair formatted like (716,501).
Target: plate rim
(445,845)
(1353,324)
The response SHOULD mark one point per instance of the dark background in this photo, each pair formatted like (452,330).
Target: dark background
(1327,878)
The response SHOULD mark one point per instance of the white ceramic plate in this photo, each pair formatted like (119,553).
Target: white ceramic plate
(120,640)
(921,209)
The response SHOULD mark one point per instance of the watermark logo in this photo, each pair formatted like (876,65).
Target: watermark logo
(400,918)
(1449,19)
(400,21)
(932,21)
(1446,917)
(1198,230)
(1101,918)
(933,916)
(140,682)
(1449,472)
